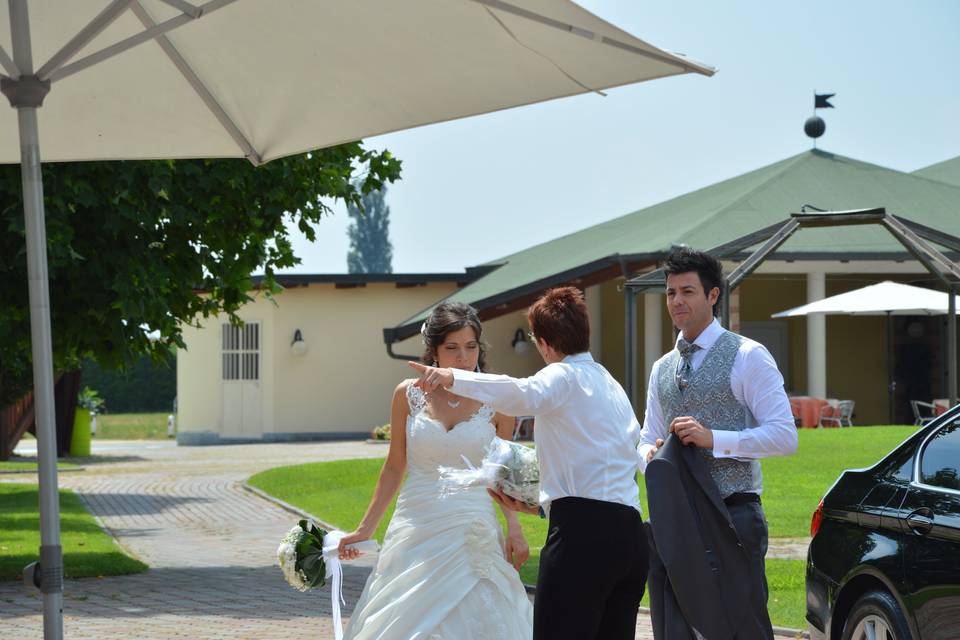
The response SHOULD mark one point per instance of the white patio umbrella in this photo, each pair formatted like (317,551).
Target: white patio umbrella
(129,79)
(877,299)
(883,299)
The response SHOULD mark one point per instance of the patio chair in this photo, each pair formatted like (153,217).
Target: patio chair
(829,416)
(838,414)
(923,412)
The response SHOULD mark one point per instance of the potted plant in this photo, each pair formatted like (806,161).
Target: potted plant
(89,404)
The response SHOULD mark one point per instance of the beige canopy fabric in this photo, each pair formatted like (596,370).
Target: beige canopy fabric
(257,79)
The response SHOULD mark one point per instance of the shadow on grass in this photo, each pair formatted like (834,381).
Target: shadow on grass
(76,564)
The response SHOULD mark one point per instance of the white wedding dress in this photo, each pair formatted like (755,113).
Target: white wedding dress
(441,574)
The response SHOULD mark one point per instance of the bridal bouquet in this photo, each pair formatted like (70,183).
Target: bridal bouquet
(301,557)
(507,466)
(309,555)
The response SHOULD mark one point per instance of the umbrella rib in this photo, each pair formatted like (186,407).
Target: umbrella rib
(667,58)
(8,64)
(185,7)
(94,28)
(208,99)
(532,50)
(133,41)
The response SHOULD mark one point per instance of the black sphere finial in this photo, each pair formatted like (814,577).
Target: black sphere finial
(814,127)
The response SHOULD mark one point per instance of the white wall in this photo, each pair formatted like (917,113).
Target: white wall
(343,384)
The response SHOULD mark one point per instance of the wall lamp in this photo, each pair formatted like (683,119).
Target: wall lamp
(299,346)
(520,343)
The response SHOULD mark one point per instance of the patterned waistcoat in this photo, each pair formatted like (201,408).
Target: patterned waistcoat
(709,399)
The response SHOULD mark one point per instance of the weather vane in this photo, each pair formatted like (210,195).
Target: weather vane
(815,126)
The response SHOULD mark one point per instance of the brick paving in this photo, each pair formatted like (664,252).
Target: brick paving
(210,545)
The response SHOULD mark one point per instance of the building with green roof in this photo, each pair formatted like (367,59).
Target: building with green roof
(947,171)
(839,357)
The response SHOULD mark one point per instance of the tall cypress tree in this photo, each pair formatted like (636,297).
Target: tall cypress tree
(370,248)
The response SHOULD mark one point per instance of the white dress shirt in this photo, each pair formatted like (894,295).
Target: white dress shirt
(756,383)
(586,432)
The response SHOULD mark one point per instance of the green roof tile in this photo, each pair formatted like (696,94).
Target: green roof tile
(946,171)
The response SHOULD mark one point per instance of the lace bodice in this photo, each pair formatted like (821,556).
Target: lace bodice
(430,445)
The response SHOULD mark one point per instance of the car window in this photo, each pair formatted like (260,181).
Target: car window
(899,466)
(940,462)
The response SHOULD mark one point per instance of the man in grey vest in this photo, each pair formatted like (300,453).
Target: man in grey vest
(722,393)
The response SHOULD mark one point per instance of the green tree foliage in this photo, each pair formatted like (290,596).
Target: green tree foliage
(160,243)
(370,248)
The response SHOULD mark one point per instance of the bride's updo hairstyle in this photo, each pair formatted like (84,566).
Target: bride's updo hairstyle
(560,319)
(446,318)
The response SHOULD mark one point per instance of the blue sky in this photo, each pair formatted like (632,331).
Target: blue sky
(484,187)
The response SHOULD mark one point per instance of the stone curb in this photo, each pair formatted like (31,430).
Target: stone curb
(530,589)
(14,472)
(286,506)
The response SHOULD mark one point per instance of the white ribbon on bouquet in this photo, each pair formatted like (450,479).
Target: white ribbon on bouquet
(331,557)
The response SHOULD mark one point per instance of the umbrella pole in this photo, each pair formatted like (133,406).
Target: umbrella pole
(26,94)
(51,556)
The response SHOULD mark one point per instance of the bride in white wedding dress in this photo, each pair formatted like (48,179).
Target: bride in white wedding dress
(444,572)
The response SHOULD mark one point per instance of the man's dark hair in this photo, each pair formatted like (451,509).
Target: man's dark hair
(683,259)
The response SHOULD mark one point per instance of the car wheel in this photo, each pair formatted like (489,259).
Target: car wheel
(876,616)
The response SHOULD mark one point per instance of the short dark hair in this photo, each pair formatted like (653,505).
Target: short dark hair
(560,319)
(446,318)
(683,259)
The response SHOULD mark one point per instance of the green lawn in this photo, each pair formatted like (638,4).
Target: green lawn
(87,550)
(338,492)
(132,426)
(129,426)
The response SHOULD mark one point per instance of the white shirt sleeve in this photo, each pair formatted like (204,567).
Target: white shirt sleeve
(758,384)
(541,393)
(653,421)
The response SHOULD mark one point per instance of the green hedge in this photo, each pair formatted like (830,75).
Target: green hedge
(144,387)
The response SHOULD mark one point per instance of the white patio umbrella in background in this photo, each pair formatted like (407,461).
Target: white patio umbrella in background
(883,299)
(138,79)
(878,299)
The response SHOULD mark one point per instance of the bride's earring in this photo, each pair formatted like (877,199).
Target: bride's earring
(433,364)
(476,369)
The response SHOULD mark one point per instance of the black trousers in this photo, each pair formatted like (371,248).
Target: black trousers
(593,570)
(751,525)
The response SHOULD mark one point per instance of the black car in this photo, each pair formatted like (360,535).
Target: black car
(884,562)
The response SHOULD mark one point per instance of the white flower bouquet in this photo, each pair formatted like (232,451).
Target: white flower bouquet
(301,557)
(309,555)
(507,466)
(305,551)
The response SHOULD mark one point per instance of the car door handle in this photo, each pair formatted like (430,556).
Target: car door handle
(920,521)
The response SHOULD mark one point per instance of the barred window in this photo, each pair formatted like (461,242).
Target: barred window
(241,351)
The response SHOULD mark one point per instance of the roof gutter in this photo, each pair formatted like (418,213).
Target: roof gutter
(407,330)
(389,337)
